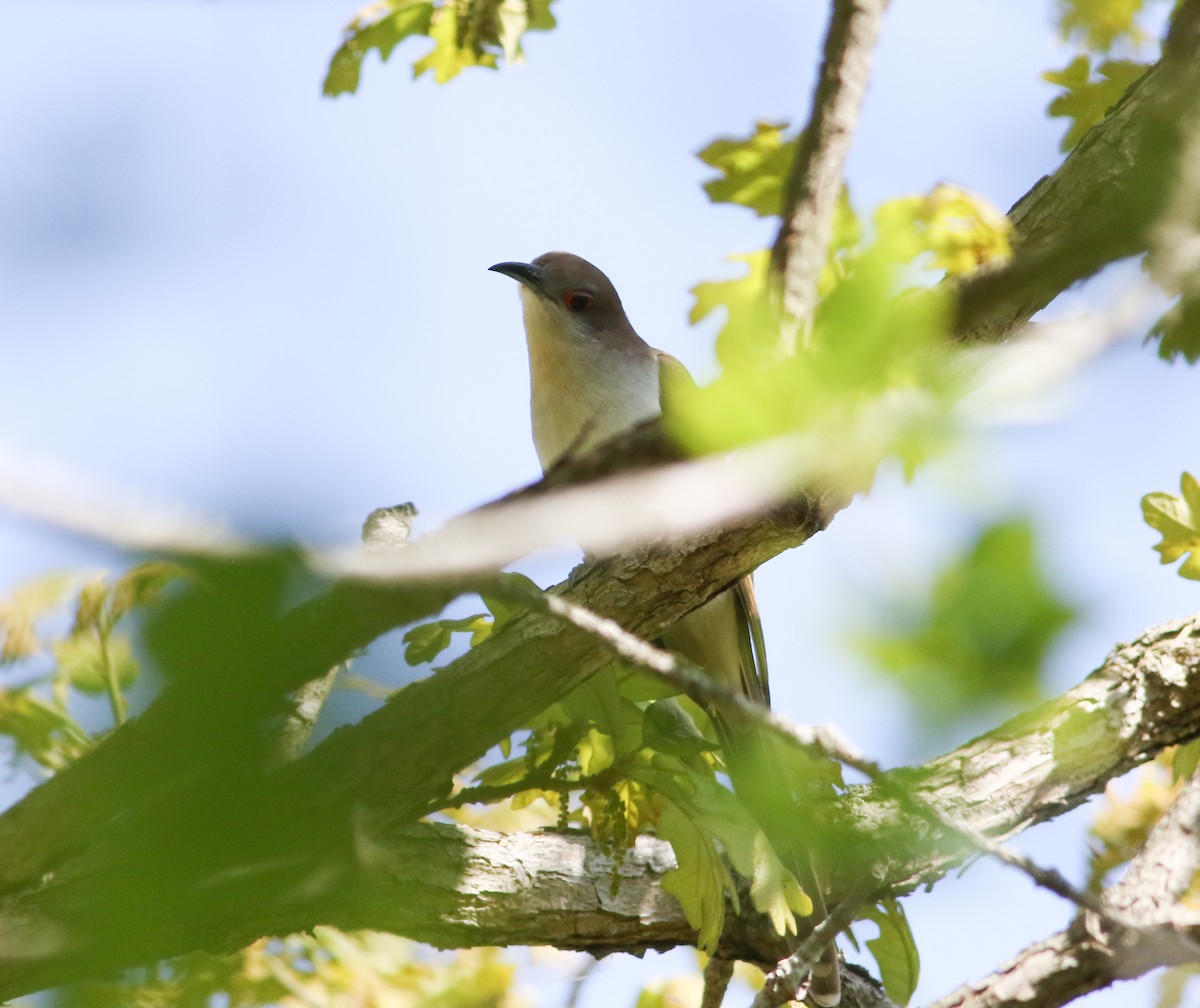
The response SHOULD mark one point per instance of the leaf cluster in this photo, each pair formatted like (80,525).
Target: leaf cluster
(93,656)
(465,33)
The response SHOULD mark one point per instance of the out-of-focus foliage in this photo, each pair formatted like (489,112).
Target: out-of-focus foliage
(1178,330)
(1087,97)
(1101,24)
(49,667)
(673,992)
(1178,519)
(753,170)
(979,641)
(424,642)
(464,33)
(877,375)
(326,968)
(1124,819)
(1093,80)
(959,231)
(1121,825)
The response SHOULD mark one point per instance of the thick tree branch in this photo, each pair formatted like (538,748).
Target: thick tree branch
(309,847)
(1102,202)
(816,179)
(1089,955)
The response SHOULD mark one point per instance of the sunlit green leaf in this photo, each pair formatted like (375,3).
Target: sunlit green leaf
(40,729)
(25,606)
(895,950)
(700,880)
(754,169)
(1100,24)
(1178,519)
(465,33)
(93,665)
(379,26)
(1086,99)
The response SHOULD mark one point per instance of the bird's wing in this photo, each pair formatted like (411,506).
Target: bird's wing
(673,380)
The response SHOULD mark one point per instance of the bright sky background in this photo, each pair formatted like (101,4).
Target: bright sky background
(220,289)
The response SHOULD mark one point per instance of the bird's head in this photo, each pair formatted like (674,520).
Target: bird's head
(570,291)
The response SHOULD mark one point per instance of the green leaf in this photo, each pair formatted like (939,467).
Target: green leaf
(503,610)
(25,606)
(895,950)
(980,639)
(87,662)
(1178,331)
(1185,759)
(141,585)
(1086,100)
(43,731)
(465,33)
(378,26)
(1100,24)
(875,377)
(667,727)
(428,640)
(700,879)
(1178,519)
(754,170)
(449,57)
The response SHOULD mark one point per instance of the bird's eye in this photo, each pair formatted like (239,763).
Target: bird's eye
(577,301)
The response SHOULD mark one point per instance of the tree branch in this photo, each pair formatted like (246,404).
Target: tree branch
(816,178)
(311,844)
(1101,203)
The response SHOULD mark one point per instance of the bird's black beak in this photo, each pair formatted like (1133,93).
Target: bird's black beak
(528,274)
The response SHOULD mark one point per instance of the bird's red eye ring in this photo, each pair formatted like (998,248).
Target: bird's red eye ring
(577,300)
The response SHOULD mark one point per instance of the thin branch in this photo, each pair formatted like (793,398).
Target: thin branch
(785,981)
(816,179)
(1140,931)
(826,741)
(718,972)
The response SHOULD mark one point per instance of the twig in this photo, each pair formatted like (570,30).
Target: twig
(816,179)
(783,983)
(1083,958)
(717,974)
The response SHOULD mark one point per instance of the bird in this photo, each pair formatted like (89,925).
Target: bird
(592,378)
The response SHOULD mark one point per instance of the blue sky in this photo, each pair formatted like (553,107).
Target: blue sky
(220,289)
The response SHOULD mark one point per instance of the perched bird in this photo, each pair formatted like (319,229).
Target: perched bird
(593,377)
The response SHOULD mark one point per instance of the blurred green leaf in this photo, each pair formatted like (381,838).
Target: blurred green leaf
(93,665)
(1178,519)
(895,950)
(380,26)
(25,606)
(423,643)
(754,169)
(876,377)
(41,729)
(1086,99)
(1100,24)
(1178,331)
(667,727)
(960,230)
(981,638)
